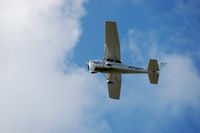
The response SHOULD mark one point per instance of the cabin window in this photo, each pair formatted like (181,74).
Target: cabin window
(117,61)
(111,60)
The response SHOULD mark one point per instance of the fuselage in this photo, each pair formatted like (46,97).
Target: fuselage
(110,66)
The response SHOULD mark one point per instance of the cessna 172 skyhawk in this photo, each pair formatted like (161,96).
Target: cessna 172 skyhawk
(112,66)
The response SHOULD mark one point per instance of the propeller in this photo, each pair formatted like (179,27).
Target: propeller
(88,67)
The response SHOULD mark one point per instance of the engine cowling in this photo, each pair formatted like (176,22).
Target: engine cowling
(91,70)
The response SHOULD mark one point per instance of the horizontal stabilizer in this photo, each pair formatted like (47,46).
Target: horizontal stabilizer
(153,71)
(153,65)
(153,78)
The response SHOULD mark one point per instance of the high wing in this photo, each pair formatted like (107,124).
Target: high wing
(112,51)
(114,87)
(112,46)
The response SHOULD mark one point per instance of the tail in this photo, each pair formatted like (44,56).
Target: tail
(153,71)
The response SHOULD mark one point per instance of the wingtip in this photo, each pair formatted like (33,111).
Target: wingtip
(114,98)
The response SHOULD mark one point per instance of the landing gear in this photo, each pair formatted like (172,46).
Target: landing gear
(109,82)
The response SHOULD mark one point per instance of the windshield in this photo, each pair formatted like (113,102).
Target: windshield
(97,61)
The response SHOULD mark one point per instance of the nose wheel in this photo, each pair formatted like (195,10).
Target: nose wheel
(109,82)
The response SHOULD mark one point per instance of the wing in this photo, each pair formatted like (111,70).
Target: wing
(112,46)
(114,87)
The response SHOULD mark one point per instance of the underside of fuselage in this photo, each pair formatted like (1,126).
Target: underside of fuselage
(118,70)
(113,67)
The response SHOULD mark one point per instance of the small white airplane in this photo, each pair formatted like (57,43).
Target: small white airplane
(112,66)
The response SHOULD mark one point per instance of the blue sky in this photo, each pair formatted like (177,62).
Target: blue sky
(44,83)
(170,26)
(175,24)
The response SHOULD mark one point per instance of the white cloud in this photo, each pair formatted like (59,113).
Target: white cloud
(176,95)
(178,77)
(38,92)
(142,44)
(188,8)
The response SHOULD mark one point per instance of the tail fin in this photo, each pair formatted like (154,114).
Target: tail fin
(153,71)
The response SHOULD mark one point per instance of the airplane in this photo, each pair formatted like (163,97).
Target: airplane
(112,66)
